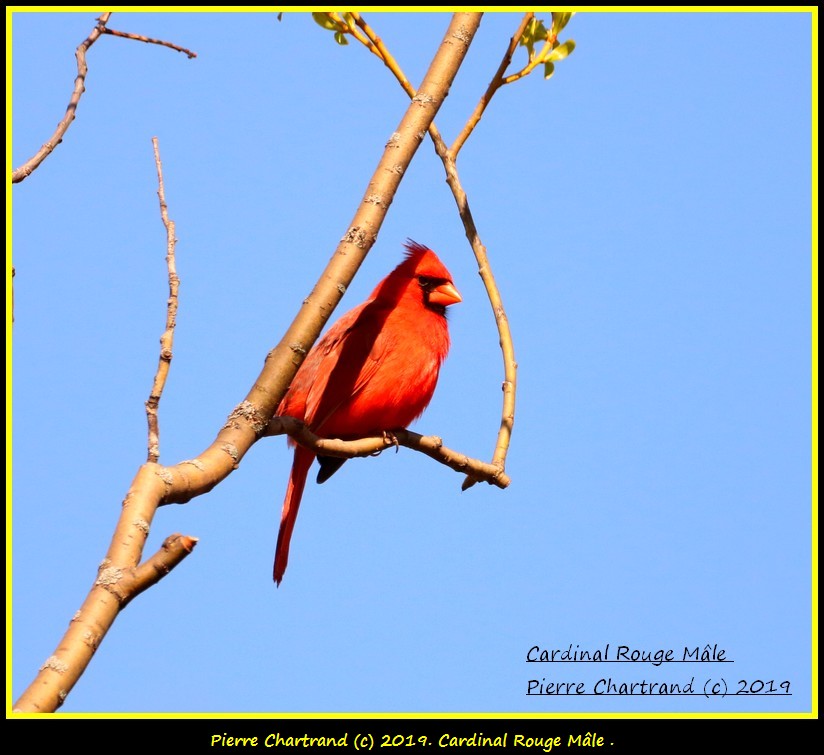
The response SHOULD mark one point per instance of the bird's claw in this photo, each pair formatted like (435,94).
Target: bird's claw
(390,439)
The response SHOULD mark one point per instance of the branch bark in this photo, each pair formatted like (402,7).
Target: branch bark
(366,35)
(149,41)
(154,484)
(167,339)
(431,445)
(28,167)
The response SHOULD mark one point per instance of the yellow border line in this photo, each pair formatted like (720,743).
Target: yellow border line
(813,713)
(9,313)
(814,355)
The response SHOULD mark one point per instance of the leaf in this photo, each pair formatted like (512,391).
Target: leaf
(559,21)
(535,32)
(549,69)
(340,38)
(561,51)
(322,19)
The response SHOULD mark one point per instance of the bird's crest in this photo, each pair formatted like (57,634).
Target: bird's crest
(423,261)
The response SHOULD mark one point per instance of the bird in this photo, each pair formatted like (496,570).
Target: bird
(374,371)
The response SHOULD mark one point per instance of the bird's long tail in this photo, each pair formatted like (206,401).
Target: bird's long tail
(294,492)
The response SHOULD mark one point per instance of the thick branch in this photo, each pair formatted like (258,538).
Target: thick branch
(118,582)
(27,168)
(284,360)
(155,484)
(167,339)
(448,157)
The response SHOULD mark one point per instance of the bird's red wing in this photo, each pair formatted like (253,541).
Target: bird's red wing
(295,401)
(347,362)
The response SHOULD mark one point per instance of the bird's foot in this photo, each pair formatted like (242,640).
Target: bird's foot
(390,439)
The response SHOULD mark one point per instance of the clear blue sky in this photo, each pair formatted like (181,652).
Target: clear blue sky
(648,215)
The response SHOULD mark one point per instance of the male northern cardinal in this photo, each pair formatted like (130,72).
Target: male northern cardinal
(374,370)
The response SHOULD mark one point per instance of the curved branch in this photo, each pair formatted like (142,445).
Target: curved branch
(154,484)
(448,157)
(27,168)
(501,321)
(431,445)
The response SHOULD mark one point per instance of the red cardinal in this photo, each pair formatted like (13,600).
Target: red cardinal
(374,370)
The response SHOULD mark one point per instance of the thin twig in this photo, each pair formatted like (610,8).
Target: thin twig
(27,168)
(376,46)
(496,83)
(150,41)
(430,445)
(501,321)
(448,157)
(167,339)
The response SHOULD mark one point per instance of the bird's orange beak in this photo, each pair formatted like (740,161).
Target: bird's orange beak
(445,294)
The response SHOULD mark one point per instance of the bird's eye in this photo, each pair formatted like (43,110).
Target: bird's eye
(424,282)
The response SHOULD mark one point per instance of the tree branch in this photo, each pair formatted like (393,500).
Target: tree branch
(504,333)
(150,41)
(496,83)
(167,339)
(448,157)
(155,484)
(128,586)
(431,445)
(118,580)
(27,168)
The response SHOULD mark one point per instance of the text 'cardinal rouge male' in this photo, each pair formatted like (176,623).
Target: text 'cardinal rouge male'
(375,370)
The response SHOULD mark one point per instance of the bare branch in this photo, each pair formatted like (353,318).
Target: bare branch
(150,41)
(167,339)
(496,83)
(504,333)
(375,45)
(105,600)
(448,157)
(27,168)
(352,250)
(155,484)
(174,549)
(431,445)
